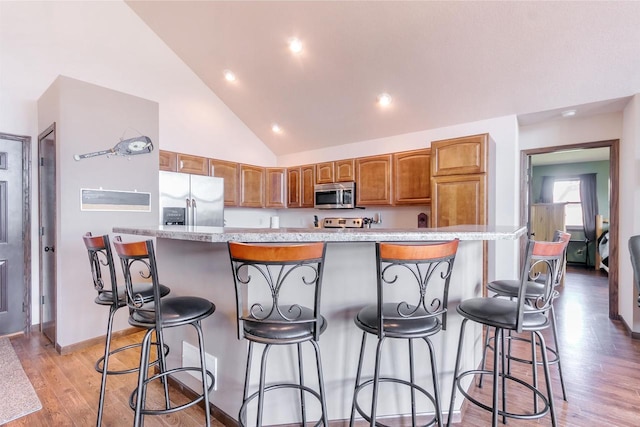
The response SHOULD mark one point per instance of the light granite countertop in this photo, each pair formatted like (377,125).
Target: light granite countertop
(226,234)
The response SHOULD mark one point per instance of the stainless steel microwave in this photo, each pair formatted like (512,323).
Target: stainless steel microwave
(339,195)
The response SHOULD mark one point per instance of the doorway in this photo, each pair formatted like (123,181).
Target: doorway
(527,197)
(47,254)
(15,234)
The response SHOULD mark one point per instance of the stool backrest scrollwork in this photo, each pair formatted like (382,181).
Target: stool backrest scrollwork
(546,259)
(416,278)
(101,261)
(272,279)
(138,259)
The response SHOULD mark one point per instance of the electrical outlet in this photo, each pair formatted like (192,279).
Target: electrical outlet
(191,357)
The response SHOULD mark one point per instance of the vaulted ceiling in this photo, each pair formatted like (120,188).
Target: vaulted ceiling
(443,63)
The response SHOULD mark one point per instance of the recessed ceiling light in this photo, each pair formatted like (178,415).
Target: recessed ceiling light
(295,45)
(276,128)
(568,113)
(384,99)
(229,76)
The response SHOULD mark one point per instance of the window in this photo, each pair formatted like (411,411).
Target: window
(568,191)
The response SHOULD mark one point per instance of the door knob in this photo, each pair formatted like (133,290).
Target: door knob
(49,248)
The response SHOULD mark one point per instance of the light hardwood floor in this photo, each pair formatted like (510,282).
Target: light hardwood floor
(601,367)
(600,362)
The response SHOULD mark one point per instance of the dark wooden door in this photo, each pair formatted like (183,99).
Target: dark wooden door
(47,203)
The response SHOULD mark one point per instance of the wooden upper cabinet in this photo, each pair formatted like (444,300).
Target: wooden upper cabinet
(459,156)
(345,170)
(252,186)
(293,187)
(229,171)
(193,164)
(458,200)
(338,171)
(307,183)
(325,173)
(275,187)
(168,161)
(412,177)
(373,178)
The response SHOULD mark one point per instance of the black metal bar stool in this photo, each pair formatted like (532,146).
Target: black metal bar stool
(426,271)
(535,288)
(101,257)
(138,259)
(634,252)
(285,273)
(518,314)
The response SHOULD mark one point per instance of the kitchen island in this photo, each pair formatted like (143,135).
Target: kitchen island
(195,261)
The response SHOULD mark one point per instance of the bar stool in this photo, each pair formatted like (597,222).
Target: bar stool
(505,315)
(418,314)
(138,258)
(510,289)
(273,271)
(100,256)
(634,251)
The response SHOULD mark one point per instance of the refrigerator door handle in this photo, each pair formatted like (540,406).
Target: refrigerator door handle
(188,215)
(194,211)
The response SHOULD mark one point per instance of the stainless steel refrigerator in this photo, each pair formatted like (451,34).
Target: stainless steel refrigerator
(191,199)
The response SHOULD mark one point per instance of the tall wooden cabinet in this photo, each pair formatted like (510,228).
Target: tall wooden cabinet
(373,177)
(252,186)
(307,180)
(300,182)
(412,177)
(229,171)
(275,191)
(459,183)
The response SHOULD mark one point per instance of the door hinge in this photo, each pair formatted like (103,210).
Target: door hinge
(23,307)
(42,300)
(41,161)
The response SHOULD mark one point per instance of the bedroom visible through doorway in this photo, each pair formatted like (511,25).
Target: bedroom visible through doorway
(581,179)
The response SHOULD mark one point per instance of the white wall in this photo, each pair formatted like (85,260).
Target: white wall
(91,118)
(629,208)
(626,127)
(105,43)
(572,130)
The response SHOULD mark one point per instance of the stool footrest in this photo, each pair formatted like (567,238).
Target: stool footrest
(199,398)
(242,421)
(521,416)
(99,366)
(552,361)
(369,382)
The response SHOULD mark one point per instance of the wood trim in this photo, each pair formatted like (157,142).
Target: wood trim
(614,205)
(217,413)
(99,340)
